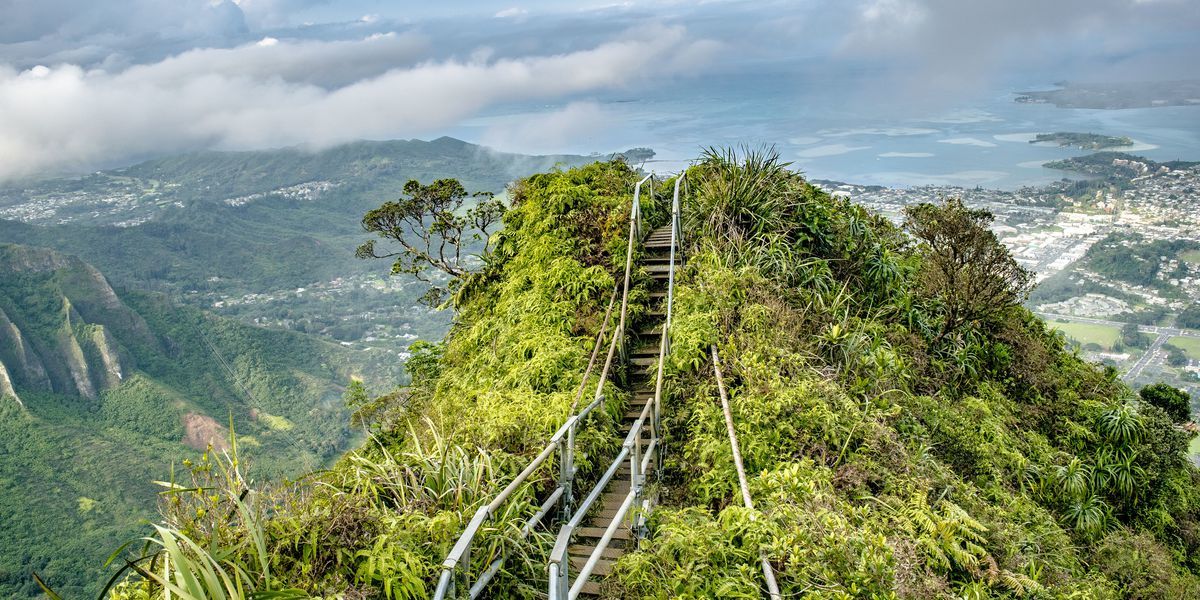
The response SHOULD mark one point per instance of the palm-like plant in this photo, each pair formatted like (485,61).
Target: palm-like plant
(1075,479)
(1089,515)
(1121,425)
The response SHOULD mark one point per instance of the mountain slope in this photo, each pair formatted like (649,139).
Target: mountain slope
(104,390)
(257,220)
(908,429)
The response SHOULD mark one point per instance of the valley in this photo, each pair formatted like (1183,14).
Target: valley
(145,311)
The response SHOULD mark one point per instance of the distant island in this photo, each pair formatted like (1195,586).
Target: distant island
(1086,141)
(1117,167)
(1118,95)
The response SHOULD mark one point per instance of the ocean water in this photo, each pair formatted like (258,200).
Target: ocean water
(841,127)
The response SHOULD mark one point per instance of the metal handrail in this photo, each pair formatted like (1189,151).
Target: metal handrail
(768,572)
(560,584)
(460,553)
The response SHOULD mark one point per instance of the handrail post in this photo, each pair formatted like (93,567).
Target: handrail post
(566,473)
(560,565)
(635,482)
(466,573)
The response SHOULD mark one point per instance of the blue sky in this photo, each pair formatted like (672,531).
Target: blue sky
(86,83)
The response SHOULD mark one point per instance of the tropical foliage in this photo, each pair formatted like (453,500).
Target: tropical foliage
(911,430)
(905,437)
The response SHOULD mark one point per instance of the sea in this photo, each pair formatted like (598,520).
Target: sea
(843,127)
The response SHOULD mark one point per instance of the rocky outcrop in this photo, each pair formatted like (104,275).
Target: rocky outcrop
(110,357)
(25,368)
(6,386)
(76,362)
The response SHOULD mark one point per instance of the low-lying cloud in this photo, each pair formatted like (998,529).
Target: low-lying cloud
(286,93)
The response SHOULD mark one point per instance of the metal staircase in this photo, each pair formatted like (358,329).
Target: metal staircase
(590,542)
(621,486)
(610,519)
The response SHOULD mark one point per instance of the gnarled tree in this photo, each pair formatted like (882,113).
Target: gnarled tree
(965,267)
(433,232)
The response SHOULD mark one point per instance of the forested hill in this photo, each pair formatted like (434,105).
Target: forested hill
(908,428)
(233,222)
(101,390)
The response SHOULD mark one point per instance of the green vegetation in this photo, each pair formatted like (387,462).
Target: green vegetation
(381,521)
(1114,167)
(1190,346)
(217,226)
(1133,259)
(1086,141)
(1063,286)
(1173,401)
(433,230)
(79,456)
(1104,336)
(1189,318)
(904,439)
(1133,337)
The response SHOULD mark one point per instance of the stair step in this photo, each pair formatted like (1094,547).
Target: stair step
(603,567)
(585,550)
(643,361)
(590,588)
(657,268)
(622,533)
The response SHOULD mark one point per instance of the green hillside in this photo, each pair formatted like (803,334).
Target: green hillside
(223,214)
(103,391)
(909,430)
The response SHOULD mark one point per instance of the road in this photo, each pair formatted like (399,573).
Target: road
(1155,329)
(1162,334)
(1147,357)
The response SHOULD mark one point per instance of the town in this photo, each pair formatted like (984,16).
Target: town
(1056,236)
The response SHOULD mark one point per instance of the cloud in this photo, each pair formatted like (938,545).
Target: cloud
(829,150)
(957,46)
(511,12)
(67,117)
(90,33)
(578,124)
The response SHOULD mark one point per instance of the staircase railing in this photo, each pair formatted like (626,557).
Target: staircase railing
(560,584)
(768,572)
(457,564)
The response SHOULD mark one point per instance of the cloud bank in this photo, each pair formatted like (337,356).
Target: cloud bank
(287,93)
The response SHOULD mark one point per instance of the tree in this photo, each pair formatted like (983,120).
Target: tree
(1176,357)
(1132,337)
(964,267)
(1174,401)
(433,232)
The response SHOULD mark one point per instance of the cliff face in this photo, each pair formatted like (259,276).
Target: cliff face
(63,328)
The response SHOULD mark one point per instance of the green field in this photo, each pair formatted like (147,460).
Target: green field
(1190,256)
(1194,448)
(1190,346)
(1087,333)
